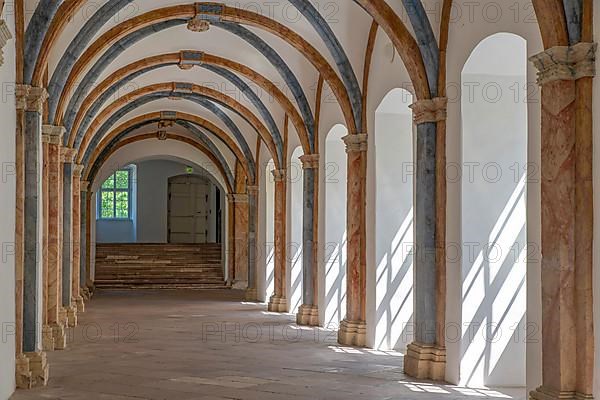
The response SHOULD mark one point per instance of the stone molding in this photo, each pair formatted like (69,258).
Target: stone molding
(279,174)
(310,161)
(565,63)
(353,333)
(252,189)
(77,170)
(84,186)
(237,197)
(198,24)
(67,155)
(21,92)
(189,58)
(53,134)
(425,362)
(430,110)
(308,315)
(277,304)
(5,36)
(542,393)
(356,142)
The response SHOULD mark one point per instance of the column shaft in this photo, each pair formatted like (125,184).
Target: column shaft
(353,328)
(241,241)
(83,239)
(278,301)
(251,293)
(67,239)
(308,314)
(76,262)
(231,239)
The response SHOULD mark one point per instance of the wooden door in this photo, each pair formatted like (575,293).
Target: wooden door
(188,209)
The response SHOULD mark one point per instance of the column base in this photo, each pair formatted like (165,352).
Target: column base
(251,295)
(352,333)
(85,293)
(240,285)
(32,370)
(72,316)
(308,315)
(277,304)
(62,317)
(60,336)
(425,362)
(79,304)
(47,338)
(543,393)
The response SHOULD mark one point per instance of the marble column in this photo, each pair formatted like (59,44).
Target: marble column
(565,75)
(308,313)
(278,301)
(47,335)
(240,209)
(353,328)
(54,136)
(230,238)
(68,155)
(426,356)
(251,292)
(5,36)
(32,366)
(76,232)
(89,278)
(84,185)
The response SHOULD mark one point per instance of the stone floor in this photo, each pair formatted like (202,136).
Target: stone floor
(210,345)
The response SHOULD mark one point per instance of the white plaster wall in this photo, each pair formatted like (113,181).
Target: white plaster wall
(294,247)
(7,222)
(390,309)
(332,268)
(467,29)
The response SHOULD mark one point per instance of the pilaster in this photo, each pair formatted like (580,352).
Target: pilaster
(76,232)
(565,74)
(251,292)
(352,329)
(68,156)
(239,201)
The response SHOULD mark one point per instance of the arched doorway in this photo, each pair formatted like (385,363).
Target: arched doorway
(494,213)
(335,189)
(393,306)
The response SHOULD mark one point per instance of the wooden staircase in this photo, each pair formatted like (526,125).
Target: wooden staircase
(159,266)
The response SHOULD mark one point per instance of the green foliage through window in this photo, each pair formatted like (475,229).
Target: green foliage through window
(115,196)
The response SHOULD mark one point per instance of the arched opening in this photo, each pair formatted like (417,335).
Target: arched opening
(394,221)
(269,229)
(494,213)
(334,190)
(294,250)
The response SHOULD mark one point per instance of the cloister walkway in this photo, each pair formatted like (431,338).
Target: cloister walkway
(212,345)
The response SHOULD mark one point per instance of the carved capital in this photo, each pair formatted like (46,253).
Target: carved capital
(67,155)
(310,161)
(565,63)
(205,13)
(5,36)
(77,170)
(237,197)
(356,142)
(53,134)
(35,99)
(279,174)
(430,110)
(84,186)
(21,93)
(252,189)
(198,24)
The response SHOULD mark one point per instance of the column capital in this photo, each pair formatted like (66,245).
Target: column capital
(21,92)
(279,174)
(84,186)
(52,134)
(77,170)
(5,36)
(252,189)
(35,99)
(67,154)
(237,197)
(429,110)
(310,161)
(565,63)
(356,142)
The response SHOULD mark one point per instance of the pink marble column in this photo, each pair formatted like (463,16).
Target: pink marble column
(353,328)
(47,335)
(565,74)
(240,251)
(230,238)
(54,137)
(278,301)
(75,248)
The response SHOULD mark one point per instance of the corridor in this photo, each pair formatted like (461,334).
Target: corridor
(211,345)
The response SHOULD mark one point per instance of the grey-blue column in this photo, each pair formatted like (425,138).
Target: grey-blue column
(308,235)
(67,230)
(83,236)
(425,217)
(31,270)
(252,194)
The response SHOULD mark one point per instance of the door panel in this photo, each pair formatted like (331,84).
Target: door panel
(188,209)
